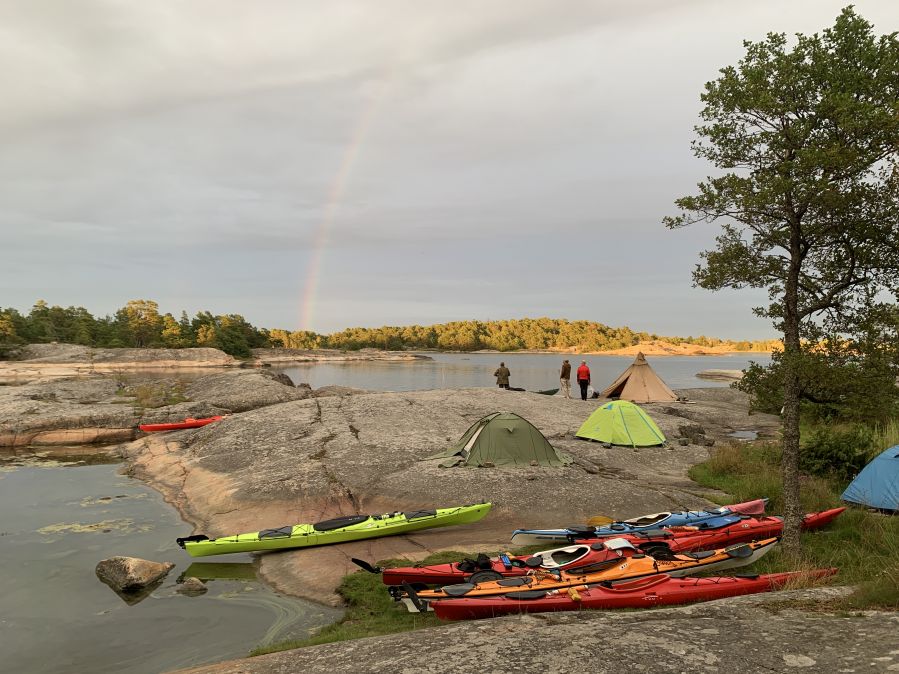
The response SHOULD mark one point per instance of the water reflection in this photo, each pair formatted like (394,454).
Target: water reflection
(219,571)
(57,521)
(534,372)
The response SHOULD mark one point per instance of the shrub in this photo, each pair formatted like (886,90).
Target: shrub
(837,451)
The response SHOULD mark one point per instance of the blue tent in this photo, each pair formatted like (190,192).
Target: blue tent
(877,486)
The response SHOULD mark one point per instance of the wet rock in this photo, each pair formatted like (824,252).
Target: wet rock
(192,587)
(281,378)
(131,574)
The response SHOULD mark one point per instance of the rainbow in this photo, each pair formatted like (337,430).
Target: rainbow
(332,203)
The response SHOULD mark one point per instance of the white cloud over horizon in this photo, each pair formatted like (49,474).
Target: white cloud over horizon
(514,160)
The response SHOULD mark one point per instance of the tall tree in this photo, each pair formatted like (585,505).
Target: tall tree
(805,133)
(141,322)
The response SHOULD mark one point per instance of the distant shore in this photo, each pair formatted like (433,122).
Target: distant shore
(51,361)
(655,349)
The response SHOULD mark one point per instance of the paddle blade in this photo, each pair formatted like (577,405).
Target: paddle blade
(599,520)
(362,564)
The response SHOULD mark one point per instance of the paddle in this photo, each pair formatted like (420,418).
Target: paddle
(361,563)
(599,520)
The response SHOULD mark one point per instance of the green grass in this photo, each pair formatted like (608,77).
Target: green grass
(149,396)
(863,545)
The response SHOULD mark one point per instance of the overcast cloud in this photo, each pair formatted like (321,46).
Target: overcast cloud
(471,160)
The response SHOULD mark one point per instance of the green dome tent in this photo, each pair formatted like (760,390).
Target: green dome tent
(621,423)
(502,439)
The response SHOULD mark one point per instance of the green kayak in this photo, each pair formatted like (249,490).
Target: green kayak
(339,530)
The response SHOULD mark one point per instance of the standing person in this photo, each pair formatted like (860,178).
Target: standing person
(502,375)
(565,379)
(583,378)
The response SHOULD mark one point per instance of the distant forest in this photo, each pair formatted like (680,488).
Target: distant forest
(139,324)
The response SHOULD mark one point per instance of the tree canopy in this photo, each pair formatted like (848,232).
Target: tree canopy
(805,134)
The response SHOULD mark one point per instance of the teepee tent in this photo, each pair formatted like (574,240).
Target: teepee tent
(877,486)
(621,423)
(639,383)
(502,439)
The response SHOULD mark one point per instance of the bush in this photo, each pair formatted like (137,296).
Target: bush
(839,452)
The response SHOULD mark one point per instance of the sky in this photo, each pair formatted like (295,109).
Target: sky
(340,163)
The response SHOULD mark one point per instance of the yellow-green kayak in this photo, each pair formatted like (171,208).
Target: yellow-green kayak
(339,530)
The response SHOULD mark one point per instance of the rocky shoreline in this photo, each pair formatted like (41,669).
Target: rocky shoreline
(37,362)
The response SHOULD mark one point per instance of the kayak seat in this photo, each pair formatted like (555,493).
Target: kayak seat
(514,582)
(563,557)
(597,566)
(699,555)
(527,594)
(459,590)
(339,522)
(740,552)
(279,532)
(418,514)
(533,562)
(655,533)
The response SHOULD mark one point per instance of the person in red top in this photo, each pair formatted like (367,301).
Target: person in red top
(583,378)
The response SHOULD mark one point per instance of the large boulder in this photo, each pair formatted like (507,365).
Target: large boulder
(131,574)
(242,390)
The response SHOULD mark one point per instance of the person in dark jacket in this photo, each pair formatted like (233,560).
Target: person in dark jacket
(583,378)
(502,375)
(565,379)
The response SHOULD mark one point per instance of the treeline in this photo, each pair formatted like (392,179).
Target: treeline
(511,335)
(139,324)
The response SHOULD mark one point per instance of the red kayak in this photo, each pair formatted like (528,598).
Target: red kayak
(691,539)
(657,542)
(178,425)
(660,590)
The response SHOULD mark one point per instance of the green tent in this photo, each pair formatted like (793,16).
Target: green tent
(502,439)
(621,422)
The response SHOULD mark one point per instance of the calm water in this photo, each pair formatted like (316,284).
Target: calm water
(533,372)
(57,521)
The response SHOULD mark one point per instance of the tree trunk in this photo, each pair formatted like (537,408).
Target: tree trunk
(792,362)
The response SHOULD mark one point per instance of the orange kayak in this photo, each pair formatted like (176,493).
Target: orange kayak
(629,565)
